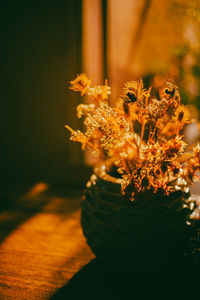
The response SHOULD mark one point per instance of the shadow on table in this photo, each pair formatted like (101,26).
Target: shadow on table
(18,204)
(94,281)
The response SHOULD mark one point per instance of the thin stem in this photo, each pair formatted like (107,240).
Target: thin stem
(154,131)
(86,143)
(126,167)
(69,128)
(149,133)
(168,120)
(142,132)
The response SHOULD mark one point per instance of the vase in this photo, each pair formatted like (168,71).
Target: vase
(146,234)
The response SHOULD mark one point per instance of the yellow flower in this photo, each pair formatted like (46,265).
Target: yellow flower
(169,91)
(132,90)
(84,109)
(99,92)
(80,84)
(196,151)
(139,135)
(182,115)
(173,147)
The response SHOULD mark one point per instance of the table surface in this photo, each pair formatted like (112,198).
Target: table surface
(41,242)
(42,249)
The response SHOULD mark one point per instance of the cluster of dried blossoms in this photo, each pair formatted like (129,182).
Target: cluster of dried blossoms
(139,135)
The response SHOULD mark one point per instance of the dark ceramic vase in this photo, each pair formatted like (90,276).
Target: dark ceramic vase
(142,235)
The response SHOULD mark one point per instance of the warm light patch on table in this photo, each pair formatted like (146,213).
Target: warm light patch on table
(43,253)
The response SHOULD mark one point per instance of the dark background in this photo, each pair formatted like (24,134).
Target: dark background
(40,54)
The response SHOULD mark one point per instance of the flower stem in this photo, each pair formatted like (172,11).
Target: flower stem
(69,128)
(142,132)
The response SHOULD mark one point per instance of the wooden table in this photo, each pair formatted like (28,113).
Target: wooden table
(41,242)
(44,253)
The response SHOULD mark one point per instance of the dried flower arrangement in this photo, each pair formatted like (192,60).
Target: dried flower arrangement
(139,137)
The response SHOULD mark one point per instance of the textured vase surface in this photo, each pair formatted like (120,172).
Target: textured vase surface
(144,234)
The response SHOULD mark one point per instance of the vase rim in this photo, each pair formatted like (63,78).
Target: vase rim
(100,171)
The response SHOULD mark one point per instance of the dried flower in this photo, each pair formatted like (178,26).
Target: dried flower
(78,136)
(157,109)
(173,147)
(169,90)
(80,84)
(100,92)
(138,136)
(84,109)
(182,116)
(132,91)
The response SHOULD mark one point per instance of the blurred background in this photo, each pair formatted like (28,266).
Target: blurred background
(46,43)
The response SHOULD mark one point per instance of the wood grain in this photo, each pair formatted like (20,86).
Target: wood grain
(42,245)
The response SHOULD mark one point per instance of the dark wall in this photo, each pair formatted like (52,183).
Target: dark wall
(40,54)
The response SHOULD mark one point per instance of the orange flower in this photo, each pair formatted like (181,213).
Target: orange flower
(99,92)
(169,90)
(139,136)
(182,116)
(173,147)
(133,90)
(80,84)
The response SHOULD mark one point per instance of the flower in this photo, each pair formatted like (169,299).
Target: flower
(182,116)
(80,84)
(157,109)
(139,136)
(169,90)
(100,92)
(173,147)
(133,91)
(84,109)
